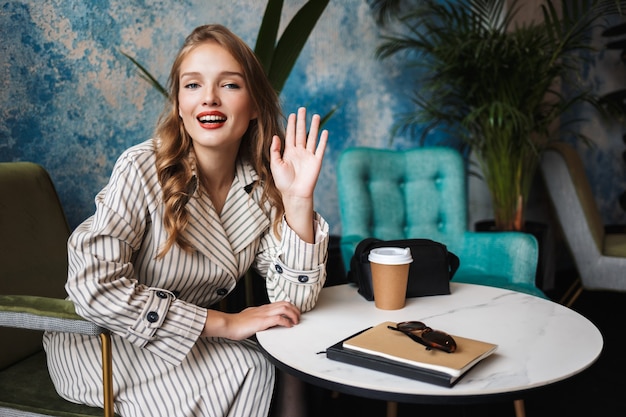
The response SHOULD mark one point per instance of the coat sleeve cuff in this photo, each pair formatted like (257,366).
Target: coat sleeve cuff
(167,327)
(296,253)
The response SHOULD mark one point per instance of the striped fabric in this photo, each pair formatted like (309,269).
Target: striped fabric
(156,309)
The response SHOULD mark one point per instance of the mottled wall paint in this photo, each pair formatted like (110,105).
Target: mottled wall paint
(70,101)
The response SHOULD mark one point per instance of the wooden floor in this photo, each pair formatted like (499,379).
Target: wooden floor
(598,391)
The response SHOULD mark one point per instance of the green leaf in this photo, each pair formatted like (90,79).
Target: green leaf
(145,74)
(324,119)
(292,41)
(266,38)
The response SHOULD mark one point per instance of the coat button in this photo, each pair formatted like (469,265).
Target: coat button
(161,294)
(222,292)
(278,268)
(152,317)
(303,278)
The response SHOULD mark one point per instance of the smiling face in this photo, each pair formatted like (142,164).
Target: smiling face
(214,101)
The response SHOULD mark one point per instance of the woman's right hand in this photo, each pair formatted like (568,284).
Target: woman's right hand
(239,326)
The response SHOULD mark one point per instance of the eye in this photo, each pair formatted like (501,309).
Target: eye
(232,86)
(192,86)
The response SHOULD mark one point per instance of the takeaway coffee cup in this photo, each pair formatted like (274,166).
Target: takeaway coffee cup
(390,274)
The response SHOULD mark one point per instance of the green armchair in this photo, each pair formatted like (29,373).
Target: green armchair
(33,271)
(421,193)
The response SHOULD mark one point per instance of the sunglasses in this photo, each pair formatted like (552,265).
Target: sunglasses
(424,335)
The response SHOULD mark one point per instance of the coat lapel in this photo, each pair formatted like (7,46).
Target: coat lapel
(221,238)
(243,218)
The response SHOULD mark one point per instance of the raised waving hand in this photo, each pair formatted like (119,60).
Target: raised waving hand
(296,171)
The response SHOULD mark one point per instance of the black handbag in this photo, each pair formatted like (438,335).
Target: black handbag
(430,272)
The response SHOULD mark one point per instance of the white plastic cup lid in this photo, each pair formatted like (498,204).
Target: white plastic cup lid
(390,256)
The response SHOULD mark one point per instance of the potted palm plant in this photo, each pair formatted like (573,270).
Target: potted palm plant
(498,85)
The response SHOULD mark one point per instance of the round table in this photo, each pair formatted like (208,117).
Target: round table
(539,343)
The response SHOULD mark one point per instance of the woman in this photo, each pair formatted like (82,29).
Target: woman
(221,189)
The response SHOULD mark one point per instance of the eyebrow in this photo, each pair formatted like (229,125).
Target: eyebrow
(222,74)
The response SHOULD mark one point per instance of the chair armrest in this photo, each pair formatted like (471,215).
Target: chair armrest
(44,313)
(509,254)
(56,315)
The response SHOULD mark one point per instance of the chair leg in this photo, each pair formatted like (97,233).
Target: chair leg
(572,293)
(107,374)
(392,409)
(520,410)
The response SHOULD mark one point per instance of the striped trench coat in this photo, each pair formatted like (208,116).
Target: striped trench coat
(156,308)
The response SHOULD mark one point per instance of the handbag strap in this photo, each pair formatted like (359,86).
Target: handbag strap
(364,247)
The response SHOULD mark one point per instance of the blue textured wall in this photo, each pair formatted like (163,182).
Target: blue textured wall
(72,102)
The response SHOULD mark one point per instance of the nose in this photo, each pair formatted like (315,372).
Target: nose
(211,96)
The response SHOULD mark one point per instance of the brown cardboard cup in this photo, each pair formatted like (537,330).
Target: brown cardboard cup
(390,275)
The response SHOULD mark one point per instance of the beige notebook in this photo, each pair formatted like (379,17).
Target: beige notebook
(394,345)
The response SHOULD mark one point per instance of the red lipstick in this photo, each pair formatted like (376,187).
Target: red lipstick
(211,119)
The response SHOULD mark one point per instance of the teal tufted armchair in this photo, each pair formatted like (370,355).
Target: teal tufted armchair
(422,193)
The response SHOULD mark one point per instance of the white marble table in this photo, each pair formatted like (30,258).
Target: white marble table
(539,343)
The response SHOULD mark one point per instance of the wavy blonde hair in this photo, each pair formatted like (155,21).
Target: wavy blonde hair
(174,162)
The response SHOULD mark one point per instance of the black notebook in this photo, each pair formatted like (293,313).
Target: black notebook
(385,350)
